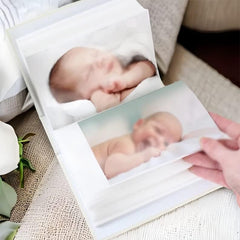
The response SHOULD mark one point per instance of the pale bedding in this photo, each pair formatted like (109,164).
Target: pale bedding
(12,83)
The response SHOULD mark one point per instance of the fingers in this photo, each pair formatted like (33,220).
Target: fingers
(238,199)
(232,144)
(226,125)
(209,174)
(215,149)
(115,85)
(202,160)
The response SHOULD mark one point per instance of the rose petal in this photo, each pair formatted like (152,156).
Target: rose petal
(9,149)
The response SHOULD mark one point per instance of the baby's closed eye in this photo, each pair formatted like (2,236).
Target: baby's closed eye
(166,143)
(89,71)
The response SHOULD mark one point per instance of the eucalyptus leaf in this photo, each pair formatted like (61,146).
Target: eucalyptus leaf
(8,198)
(8,230)
(12,234)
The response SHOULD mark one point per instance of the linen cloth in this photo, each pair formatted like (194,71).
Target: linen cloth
(12,86)
(39,152)
(166,18)
(215,92)
(212,15)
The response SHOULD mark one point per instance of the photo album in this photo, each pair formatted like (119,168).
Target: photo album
(118,133)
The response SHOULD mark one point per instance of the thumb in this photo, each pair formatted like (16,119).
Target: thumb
(214,149)
(238,141)
(238,199)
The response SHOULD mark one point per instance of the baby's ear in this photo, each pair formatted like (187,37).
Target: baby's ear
(138,123)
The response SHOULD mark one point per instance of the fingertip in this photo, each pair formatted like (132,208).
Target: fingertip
(204,141)
(214,149)
(189,158)
(213,115)
(238,199)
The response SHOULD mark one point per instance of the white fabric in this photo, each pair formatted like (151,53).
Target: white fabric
(9,73)
(11,81)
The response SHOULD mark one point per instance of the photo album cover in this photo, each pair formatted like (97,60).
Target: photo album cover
(119,134)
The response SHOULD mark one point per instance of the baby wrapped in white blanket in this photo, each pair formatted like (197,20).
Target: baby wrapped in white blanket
(128,46)
(98,76)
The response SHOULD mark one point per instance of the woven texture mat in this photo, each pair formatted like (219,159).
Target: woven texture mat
(213,15)
(54,213)
(215,92)
(39,151)
(166,18)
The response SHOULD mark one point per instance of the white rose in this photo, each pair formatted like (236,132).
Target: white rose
(9,157)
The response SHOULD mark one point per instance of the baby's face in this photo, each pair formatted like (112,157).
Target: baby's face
(90,70)
(156,132)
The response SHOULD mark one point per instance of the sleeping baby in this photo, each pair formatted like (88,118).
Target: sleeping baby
(96,75)
(150,136)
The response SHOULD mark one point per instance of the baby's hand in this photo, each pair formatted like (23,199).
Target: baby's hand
(152,152)
(103,101)
(115,84)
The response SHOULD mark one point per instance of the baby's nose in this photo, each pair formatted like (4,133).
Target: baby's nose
(161,142)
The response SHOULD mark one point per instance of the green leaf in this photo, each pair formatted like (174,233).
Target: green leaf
(23,141)
(8,198)
(8,230)
(28,135)
(13,234)
(24,162)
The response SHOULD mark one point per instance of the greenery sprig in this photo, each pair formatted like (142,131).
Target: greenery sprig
(24,162)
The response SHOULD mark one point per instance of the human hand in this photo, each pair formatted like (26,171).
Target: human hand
(220,159)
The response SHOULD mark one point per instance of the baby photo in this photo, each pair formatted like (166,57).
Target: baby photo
(149,137)
(85,73)
(97,75)
(151,131)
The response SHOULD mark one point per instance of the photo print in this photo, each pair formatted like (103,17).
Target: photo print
(148,132)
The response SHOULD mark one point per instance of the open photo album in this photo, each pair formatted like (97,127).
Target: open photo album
(119,134)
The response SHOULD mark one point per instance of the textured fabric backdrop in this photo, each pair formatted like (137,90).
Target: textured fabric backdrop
(212,15)
(166,18)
